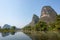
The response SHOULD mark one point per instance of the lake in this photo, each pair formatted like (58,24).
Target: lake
(30,36)
(14,36)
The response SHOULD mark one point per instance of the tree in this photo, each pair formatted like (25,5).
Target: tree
(13,27)
(56,24)
(41,26)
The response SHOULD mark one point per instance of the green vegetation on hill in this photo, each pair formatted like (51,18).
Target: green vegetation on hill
(12,29)
(43,26)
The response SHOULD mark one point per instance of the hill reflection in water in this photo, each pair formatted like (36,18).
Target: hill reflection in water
(43,35)
(4,34)
(30,35)
(14,36)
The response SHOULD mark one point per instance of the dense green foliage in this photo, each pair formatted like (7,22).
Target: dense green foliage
(13,27)
(43,26)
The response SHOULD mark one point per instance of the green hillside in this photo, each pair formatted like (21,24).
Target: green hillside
(43,26)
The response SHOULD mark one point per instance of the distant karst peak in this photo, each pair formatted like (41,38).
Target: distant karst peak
(35,19)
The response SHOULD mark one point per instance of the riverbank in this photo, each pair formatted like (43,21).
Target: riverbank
(7,30)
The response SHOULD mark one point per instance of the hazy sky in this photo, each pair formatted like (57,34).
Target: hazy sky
(20,12)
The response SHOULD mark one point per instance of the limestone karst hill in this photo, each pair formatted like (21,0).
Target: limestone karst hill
(48,15)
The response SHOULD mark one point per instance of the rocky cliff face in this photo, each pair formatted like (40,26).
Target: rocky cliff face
(48,14)
(35,19)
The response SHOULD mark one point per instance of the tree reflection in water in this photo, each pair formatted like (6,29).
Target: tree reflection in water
(4,34)
(43,35)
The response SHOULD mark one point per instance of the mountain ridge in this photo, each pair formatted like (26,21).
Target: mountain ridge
(48,14)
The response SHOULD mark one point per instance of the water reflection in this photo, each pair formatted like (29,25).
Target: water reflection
(43,35)
(33,36)
(30,36)
(13,33)
(4,34)
(14,36)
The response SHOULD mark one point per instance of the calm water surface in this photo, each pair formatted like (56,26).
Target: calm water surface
(14,36)
(30,36)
